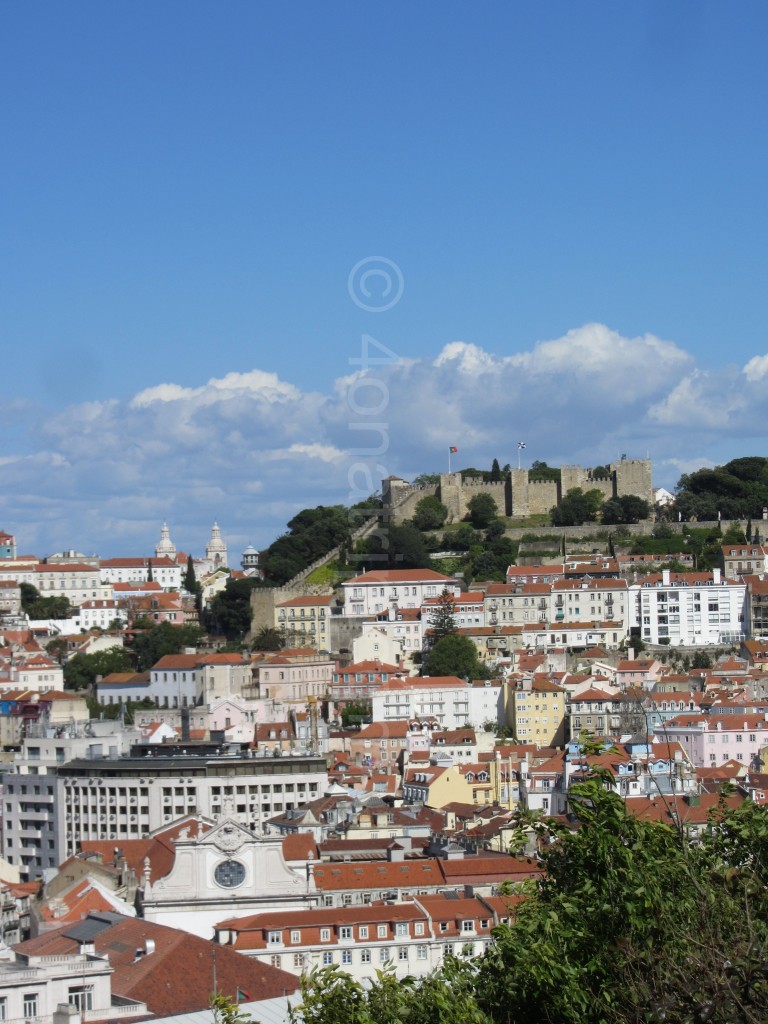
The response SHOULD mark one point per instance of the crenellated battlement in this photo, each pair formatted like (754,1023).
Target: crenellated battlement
(517,495)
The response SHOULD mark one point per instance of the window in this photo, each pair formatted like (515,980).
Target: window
(30,1005)
(325,934)
(3,1008)
(401,930)
(419,928)
(365,956)
(81,997)
(345,931)
(402,953)
(381,931)
(467,926)
(274,938)
(298,959)
(346,956)
(421,952)
(363,931)
(295,936)
(443,926)
(327,958)
(383,955)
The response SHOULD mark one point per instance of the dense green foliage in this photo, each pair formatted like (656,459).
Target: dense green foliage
(430,513)
(626,509)
(80,671)
(482,510)
(541,471)
(736,490)
(632,925)
(312,533)
(38,607)
(268,638)
(356,712)
(394,547)
(229,613)
(453,655)
(152,644)
(577,507)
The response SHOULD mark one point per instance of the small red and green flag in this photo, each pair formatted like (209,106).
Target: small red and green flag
(453,450)
(243,996)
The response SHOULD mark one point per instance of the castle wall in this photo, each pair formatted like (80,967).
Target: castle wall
(518,496)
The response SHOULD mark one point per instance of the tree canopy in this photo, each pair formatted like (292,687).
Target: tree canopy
(38,607)
(736,490)
(312,533)
(627,508)
(453,655)
(164,638)
(633,924)
(577,507)
(80,672)
(229,613)
(430,513)
(482,510)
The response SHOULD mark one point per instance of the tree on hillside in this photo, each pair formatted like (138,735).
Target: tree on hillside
(37,607)
(311,533)
(576,507)
(482,510)
(442,619)
(80,672)
(394,547)
(190,579)
(430,513)
(453,655)
(268,638)
(627,508)
(230,610)
(164,638)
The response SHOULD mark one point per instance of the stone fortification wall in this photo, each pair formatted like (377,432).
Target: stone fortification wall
(518,496)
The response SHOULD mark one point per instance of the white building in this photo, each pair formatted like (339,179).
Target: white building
(165,571)
(690,608)
(30,839)
(374,592)
(101,613)
(62,989)
(449,700)
(75,581)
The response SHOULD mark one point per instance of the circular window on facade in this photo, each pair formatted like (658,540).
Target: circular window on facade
(229,873)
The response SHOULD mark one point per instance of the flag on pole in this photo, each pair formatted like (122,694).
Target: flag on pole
(521,444)
(453,450)
(243,996)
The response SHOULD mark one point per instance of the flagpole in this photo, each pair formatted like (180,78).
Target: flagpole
(449,462)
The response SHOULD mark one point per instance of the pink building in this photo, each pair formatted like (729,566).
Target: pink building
(714,739)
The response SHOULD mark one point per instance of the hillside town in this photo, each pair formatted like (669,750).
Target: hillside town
(256,811)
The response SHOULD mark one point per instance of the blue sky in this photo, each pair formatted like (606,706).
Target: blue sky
(574,195)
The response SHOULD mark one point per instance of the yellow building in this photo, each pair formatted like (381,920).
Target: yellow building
(535,710)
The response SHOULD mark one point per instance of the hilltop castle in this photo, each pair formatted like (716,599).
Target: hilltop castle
(517,495)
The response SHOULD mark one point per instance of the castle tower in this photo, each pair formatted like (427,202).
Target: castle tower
(165,548)
(216,549)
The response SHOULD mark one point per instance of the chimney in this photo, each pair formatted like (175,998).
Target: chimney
(665,577)
(716,576)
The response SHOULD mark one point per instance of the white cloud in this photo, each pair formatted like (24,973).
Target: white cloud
(250,449)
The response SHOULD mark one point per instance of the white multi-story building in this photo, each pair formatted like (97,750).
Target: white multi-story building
(410,938)
(374,592)
(30,840)
(101,613)
(55,989)
(165,571)
(451,701)
(689,608)
(590,600)
(75,581)
(101,795)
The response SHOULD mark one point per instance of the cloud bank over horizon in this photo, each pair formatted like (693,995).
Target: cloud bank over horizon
(250,449)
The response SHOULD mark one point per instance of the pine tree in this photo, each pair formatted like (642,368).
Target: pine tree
(150,577)
(190,580)
(442,622)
